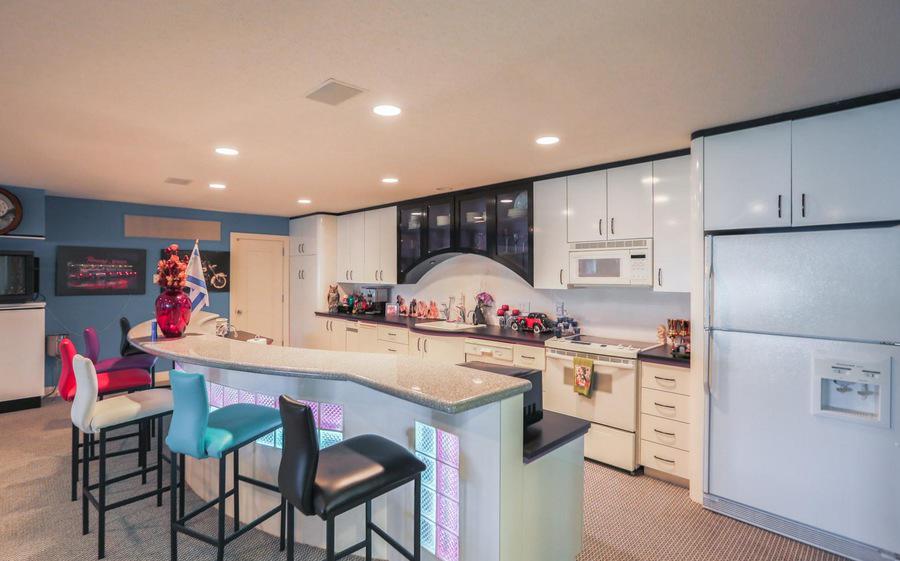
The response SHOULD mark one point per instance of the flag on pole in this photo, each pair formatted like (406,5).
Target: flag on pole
(195,281)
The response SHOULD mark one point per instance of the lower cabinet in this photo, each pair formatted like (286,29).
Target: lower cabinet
(665,414)
(450,350)
(387,347)
(331,334)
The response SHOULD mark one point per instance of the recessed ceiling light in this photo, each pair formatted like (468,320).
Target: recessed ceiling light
(386,110)
(227,151)
(217,185)
(304,201)
(390,180)
(545,140)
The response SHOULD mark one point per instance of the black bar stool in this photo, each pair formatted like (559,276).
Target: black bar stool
(330,482)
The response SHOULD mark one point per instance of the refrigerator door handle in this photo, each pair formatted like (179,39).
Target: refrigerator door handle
(708,277)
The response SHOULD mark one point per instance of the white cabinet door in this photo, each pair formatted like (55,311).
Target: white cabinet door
(339,334)
(303,299)
(586,217)
(303,232)
(747,178)
(357,247)
(368,337)
(371,247)
(449,350)
(321,334)
(343,248)
(845,166)
(671,224)
(387,225)
(551,247)
(629,198)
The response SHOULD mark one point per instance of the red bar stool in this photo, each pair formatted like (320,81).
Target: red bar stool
(107,383)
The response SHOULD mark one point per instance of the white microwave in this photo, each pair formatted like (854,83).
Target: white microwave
(612,263)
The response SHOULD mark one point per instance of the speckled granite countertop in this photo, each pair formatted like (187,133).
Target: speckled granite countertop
(444,387)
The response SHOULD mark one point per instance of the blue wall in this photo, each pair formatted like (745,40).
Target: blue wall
(88,222)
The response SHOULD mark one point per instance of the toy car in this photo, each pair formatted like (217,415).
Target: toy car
(537,322)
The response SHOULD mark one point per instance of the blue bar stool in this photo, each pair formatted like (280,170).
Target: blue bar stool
(342,477)
(95,417)
(196,432)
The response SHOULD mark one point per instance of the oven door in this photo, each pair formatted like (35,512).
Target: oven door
(613,401)
(610,267)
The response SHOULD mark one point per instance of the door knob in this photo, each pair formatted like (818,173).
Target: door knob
(239,312)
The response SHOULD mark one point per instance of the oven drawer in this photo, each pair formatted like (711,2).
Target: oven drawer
(528,357)
(665,459)
(393,334)
(666,432)
(611,446)
(478,350)
(666,378)
(665,404)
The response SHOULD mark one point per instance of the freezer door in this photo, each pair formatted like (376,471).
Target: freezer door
(841,284)
(768,450)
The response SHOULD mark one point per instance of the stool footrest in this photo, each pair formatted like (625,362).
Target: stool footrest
(203,508)
(350,550)
(253,524)
(124,476)
(392,542)
(258,483)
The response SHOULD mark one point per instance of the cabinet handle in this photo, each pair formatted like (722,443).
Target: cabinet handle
(612,226)
(803,205)
(390,350)
(664,433)
(600,226)
(351,274)
(418,343)
(659,276)
(392,334)
(656,403)
(347,274)
(425,345)
(299,275)
(661,379)
(664,460)
(779,206)
(528,357)
(299,248)
(560,276)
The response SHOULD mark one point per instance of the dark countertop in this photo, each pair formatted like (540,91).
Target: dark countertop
(554,431)
(488,332)
(663,355)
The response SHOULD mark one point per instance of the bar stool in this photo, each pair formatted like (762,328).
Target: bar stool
(196,432)
(107,383)
(141,361)
(341,477)
(95,417)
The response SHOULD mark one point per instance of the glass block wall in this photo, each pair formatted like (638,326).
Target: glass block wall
(439,451)
(329,417)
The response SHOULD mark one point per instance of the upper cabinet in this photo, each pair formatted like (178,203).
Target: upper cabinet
(309,234)
(747,178)
(671,224)
(439,216)
(475,217)
(586,217)
(551,246)
(844,166)
(629,196)
(366,246)
(351,232)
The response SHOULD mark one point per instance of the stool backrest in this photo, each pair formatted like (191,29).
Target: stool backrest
(300,454)
(190,414)
(86,396)
(91,344)
(125,347)
(67,383)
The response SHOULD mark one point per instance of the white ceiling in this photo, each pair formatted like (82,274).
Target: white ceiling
(106,99)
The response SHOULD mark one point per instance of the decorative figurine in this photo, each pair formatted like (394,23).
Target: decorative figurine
(661,334)
(535,321)
(433,310)
(507,315)
(566,326)
(412,308)
(333,298)
(482,300)
(401,306)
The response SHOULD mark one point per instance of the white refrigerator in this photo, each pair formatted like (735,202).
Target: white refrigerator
(803,335)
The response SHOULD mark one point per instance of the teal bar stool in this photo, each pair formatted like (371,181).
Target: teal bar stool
(196,432)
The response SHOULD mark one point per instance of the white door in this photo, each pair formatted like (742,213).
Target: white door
(629,198)
(845,166)
(387,224)
(551,247)
(343,248)
(260,285)
(671,224)
(586,217)
(303,299)
(357,234)
(747,178)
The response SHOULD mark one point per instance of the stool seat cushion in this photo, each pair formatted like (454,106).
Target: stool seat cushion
(357,468)
(131,407)
(114,382)
(235,425)
(142,362)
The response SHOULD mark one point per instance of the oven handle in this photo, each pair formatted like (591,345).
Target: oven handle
(617,366)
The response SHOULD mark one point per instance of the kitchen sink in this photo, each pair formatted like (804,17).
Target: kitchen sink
(446,326)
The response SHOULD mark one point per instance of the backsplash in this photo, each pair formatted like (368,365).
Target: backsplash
(624,313)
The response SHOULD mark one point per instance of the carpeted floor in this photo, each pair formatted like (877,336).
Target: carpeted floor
(626,518)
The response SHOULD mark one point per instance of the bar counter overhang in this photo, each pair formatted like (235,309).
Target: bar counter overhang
(481,500)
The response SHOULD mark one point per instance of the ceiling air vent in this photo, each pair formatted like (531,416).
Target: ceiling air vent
(177,181)
(333,92)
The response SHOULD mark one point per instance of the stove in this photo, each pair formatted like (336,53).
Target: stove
(599,345)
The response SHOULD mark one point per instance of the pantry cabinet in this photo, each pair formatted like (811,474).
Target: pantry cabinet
(379,246)
(629,196)
(312,269)
(844,166)
(671,225)
(586,208)
(551,247)
(304,298)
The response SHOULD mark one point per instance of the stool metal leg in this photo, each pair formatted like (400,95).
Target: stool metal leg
(144,446)
(75,456)
(159,449)
(368,530)
(290,532)
(329,539)
(237,488)
(173,494)
(85,480)
(417,520)
(101,507)
(182,472)
(220,555)
(281,528)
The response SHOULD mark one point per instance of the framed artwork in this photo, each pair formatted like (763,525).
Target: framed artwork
(100,271)
(216,267)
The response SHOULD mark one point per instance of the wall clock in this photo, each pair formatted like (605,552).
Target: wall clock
(10,211)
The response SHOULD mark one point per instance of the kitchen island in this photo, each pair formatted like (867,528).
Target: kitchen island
(481,501)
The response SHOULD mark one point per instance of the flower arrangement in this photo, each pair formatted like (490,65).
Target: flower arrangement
(171,271)
(485,299)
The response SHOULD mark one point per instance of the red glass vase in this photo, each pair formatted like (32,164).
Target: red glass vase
(173,312)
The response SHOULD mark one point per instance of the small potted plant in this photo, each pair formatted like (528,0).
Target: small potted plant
(173,307)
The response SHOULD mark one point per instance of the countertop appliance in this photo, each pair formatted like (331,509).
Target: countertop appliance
(17,277)
(612,407)
(611,263)
(377,297)
(803,336)
(532,399)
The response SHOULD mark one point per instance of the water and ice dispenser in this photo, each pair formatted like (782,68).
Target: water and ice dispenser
(852,390)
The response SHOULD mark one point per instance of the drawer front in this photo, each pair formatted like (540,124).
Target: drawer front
(666,432)
(665,459)
(393,334)
(528,357)
(392,348)
(611,446)
(666,378)
(477,351)
(665,404)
